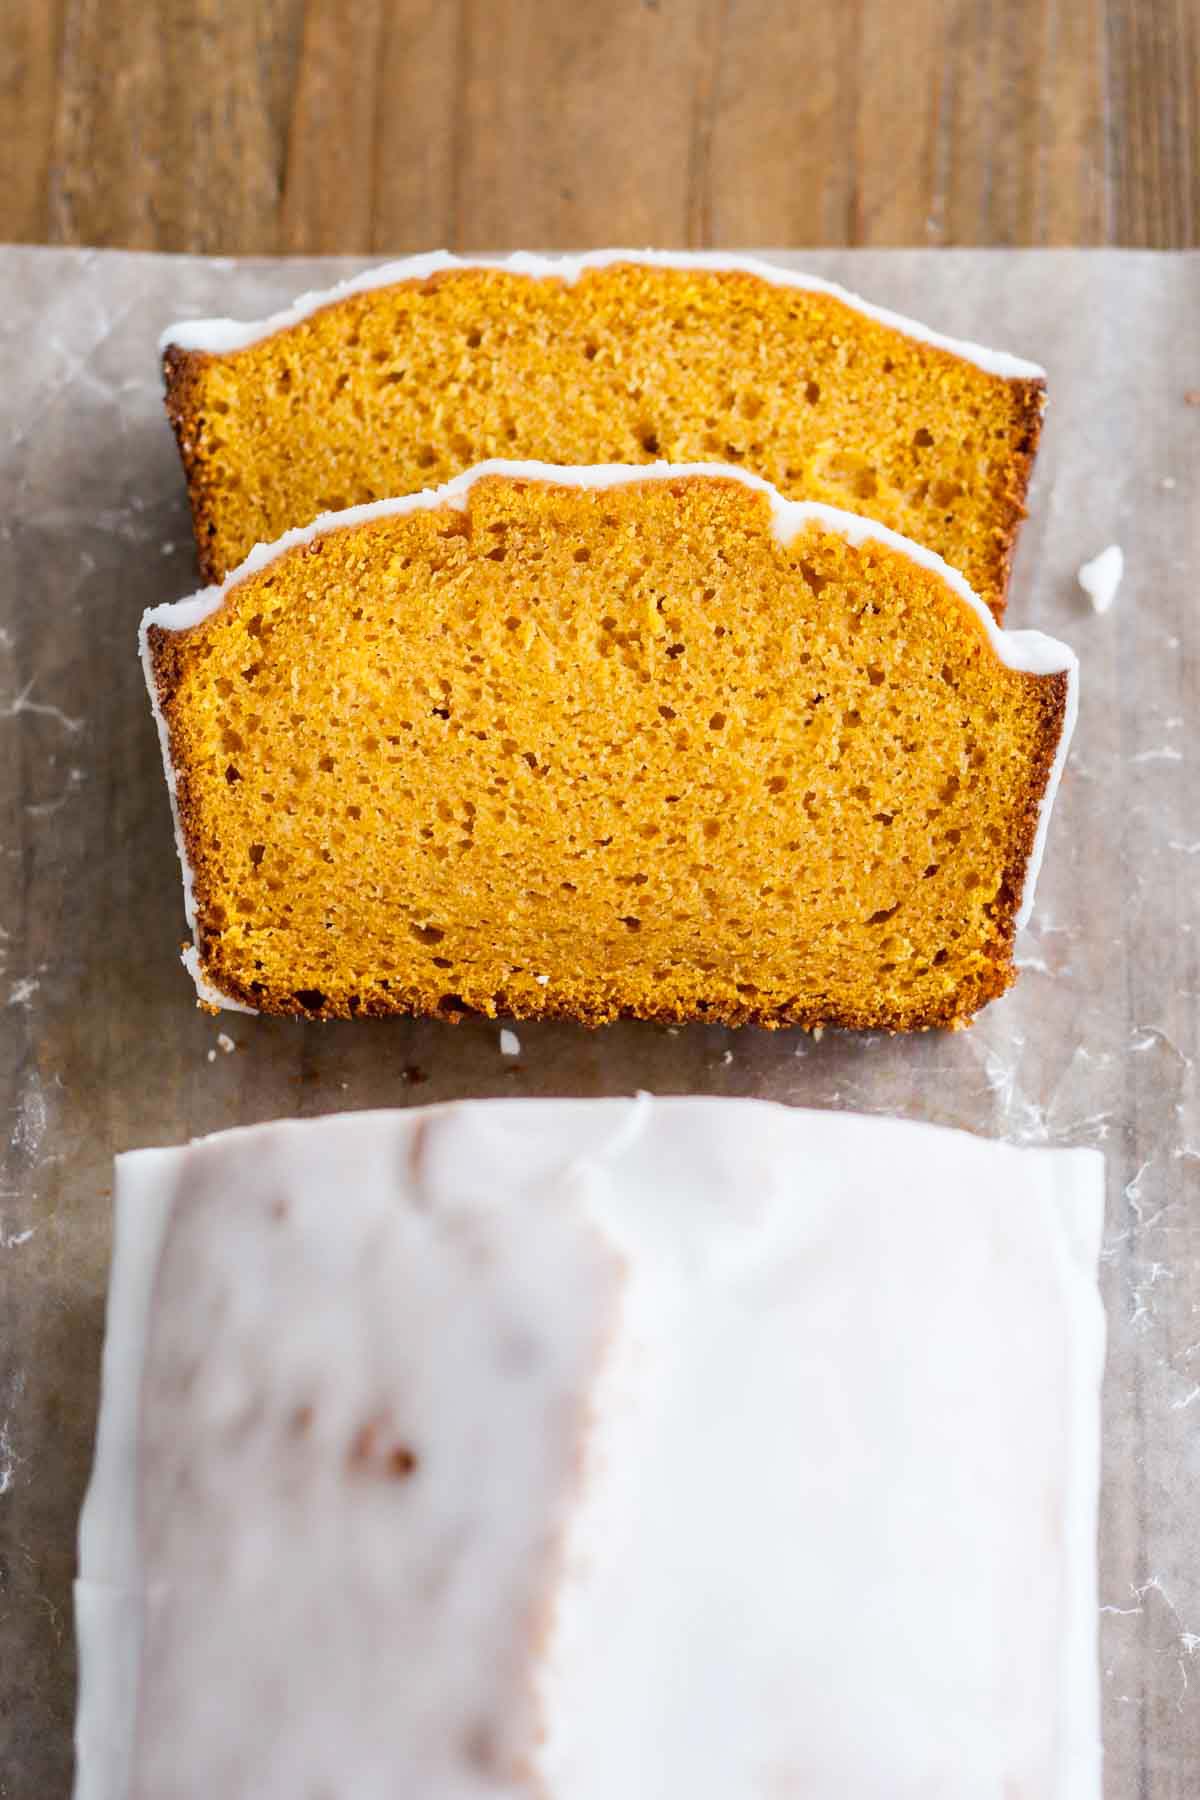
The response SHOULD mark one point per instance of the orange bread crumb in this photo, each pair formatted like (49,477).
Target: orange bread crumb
(398,388)
(599,750)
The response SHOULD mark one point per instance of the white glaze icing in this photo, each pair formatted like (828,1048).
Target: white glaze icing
(107,1603)
(1102,576)
(756,1453)
(1030,651)
(206,993)
(219,337)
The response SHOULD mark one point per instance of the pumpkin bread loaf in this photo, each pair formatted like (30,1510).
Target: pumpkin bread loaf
(417,371)
(598,742)
(596,1450)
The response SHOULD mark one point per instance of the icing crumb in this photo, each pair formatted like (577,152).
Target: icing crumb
(542,980)
(727,1057)
(510,1043)
(226,1043)
(212,1056)
(1101,577)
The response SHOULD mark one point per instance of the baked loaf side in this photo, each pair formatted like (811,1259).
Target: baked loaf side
(391,389)
(583,1449)
(593,743)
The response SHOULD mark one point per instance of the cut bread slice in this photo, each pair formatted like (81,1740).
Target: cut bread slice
(410,374)
(588,743)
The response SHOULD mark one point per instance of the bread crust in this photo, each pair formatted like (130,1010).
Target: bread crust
(1027,436)
(183,395)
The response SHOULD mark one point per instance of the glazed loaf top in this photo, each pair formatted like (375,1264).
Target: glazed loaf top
(582,1449)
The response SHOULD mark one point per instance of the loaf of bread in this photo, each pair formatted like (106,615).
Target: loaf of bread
(668,1450)
(413,372)
(588,743)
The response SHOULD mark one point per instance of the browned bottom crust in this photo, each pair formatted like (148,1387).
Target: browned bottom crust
(181,376)
(955,1015)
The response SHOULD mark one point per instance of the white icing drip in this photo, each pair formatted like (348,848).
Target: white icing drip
(219,337)
(1046,804)
(804,1422)
(1074,1250)
(190,957)
(106,1595)
(1031,652)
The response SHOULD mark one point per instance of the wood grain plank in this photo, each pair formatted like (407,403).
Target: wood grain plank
(904,138)
(783,167)
(217,125)
(170,124)
(578,121)
(989,142)
(329,191)
(30,46)
(984,130)
(374,130)
(418,134)
(1153,59)
(1071,188)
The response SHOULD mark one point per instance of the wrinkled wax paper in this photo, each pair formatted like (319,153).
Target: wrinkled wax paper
(102,1048)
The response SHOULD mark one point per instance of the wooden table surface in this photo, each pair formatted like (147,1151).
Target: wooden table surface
(277,126)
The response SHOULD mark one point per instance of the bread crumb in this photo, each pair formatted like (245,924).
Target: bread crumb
(1101,577)
(212,1056)
(1192,397)
(727,1057)
(225,1043)
(510,1043)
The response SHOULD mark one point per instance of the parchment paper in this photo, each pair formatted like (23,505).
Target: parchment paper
(101,1047)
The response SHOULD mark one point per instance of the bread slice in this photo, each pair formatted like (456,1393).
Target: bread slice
(586,743)
(414,372)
